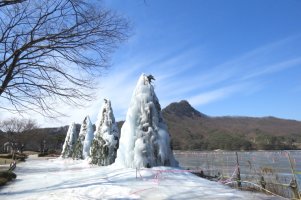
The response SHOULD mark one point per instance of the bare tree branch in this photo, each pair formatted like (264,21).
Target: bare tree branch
(9,2)
(13,127)
(52,51)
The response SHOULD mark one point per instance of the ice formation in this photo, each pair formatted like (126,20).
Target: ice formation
(85,134)
(88,139)
(144,141)
(106,137)
(70,140)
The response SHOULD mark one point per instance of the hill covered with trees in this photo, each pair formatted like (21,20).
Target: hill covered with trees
(193,130)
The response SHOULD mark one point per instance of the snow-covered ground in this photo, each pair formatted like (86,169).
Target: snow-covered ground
(69,179)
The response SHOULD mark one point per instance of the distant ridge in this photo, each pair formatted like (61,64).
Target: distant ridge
(191,129)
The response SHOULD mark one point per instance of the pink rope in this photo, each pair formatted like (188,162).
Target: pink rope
(231,178)
(141,190)
(158,173)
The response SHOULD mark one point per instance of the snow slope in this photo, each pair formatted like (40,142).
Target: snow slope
(76,179)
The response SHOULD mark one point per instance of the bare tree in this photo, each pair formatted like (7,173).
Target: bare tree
(13,127)
(16,125)
(52,51)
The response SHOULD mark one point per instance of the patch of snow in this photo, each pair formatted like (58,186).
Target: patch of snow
(76,179)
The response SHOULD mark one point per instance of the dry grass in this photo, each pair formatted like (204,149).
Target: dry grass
(30,152)
(4,163)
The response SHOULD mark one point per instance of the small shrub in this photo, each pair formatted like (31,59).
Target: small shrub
(21,155)
(3,181)
(6,156)
(52,151)
(42,154)
(9,175)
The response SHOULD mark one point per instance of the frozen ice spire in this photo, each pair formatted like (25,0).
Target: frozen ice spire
(88,139)
(106,137)
(82,146)
(70,140)
(144,141)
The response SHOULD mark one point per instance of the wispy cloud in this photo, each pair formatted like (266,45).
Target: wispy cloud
(273,68)
(241,73)
(208,97)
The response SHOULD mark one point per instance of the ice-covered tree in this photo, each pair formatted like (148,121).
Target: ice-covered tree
(88,139)
(145,141)
(106,137)
(86,131)
(70,140)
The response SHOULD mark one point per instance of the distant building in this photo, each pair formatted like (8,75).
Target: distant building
(7,147)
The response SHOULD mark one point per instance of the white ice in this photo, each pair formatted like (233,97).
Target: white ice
(70,140)
(88,139)
(144,139)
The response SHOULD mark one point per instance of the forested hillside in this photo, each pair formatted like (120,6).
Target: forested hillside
(191,129)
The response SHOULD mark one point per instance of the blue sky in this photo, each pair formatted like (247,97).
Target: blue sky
(226,57)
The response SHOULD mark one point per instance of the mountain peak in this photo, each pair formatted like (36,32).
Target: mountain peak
(182,108)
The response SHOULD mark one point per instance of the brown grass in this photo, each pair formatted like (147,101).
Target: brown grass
(4,161)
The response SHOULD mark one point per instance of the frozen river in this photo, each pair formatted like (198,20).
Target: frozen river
(278,168)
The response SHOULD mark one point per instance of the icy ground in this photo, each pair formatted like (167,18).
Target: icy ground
(68,179)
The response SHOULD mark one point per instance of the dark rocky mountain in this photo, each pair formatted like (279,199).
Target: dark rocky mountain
(191,129)
(182,109)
